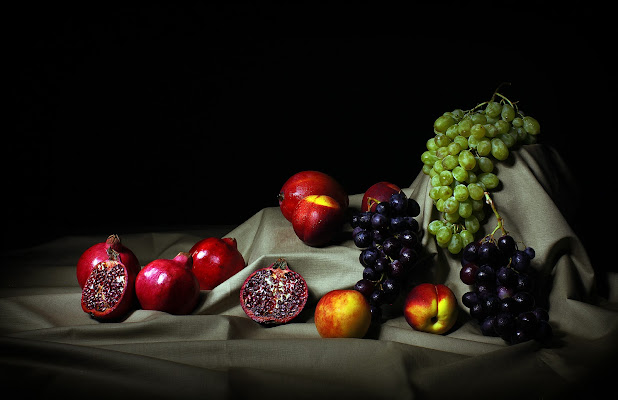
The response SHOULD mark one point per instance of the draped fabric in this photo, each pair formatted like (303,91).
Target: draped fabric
(50,346)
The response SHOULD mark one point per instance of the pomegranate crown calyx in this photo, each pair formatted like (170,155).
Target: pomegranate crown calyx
(113,255)
(280,263)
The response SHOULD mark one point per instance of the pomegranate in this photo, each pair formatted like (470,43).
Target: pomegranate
(168,285)
(274,295)
(98,253)
(305,183)
(215,260)
(108,292)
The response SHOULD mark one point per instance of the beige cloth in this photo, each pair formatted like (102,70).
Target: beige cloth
(49,346)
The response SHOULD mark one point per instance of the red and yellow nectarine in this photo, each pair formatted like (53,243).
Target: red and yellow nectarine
(431,308)
(342,314)
(316,219)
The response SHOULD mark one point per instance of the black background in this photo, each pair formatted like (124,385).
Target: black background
(157,117)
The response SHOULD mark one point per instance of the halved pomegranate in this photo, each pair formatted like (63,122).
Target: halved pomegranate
(274,295)
(109,291)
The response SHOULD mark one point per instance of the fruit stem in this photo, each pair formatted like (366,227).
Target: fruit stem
(113,255)
(500,226)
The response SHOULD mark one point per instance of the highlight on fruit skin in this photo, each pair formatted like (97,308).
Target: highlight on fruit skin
(274,295)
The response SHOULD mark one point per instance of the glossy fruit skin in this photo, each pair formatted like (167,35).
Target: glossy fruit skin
(342,314)
(126,301)
(215,260)
(98,253)
(305,183)
(377,193)
(316,219)
(168,285)
(431,308)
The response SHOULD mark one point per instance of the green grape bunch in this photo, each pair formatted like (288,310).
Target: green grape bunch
(460,160)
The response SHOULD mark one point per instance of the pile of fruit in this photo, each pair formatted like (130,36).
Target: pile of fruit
(460,159)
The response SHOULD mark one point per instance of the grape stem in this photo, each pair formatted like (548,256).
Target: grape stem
(500,226)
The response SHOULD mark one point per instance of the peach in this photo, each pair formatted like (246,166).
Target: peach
(316,219)
(342,314)
(431,308)
(377,193)
(305,183)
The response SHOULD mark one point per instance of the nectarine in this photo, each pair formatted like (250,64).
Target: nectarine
(431,308)
(316,219)
(377,193)
(342,314)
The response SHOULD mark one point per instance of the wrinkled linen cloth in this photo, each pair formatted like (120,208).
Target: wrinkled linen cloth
(50,346)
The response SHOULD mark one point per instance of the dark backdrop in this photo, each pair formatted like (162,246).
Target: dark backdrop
(158,117)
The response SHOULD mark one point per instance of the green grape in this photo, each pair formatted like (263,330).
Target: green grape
(461,192)
(485,164)
(457,114)
(438,166)
(517,122)
(499,149)
(440,204)
(467,237)
(471,177)
(493,109)
(442,140)
(427,169)
(449,162)
(451,205)
(452,218)
(435,180)
(446,177)
(431,144)
(490,130)
(452,132)
(508,139)
(465,208)
(483,147)
(467,160)
(442,123)
(502,126)
(531,125)
(445,192)
(434,193)
(460,174)
(478,118)
(477,204)
(434,226)
(455,244)
(462,141)
(472,224)
(443,236)
(429,157)
(475,191)
(454,148)
(489,180)
(508,112)
(464,127)
(478,131)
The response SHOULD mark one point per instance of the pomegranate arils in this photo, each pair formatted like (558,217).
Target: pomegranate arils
(104,287)
(108,291)
(274,295)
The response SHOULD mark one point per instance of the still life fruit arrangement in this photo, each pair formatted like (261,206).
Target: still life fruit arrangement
(459,160)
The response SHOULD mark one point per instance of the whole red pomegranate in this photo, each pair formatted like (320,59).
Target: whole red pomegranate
(215,260)
(168,285)
(98,253)
(305,183)
(108,291)
(274,295)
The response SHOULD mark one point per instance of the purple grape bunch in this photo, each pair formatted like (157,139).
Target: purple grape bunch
(390,242)
(503,285)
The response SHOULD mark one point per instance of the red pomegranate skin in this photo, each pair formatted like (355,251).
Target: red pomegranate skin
(215,260)
(305,183)
(168,285)
(377,193)
(98,253)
